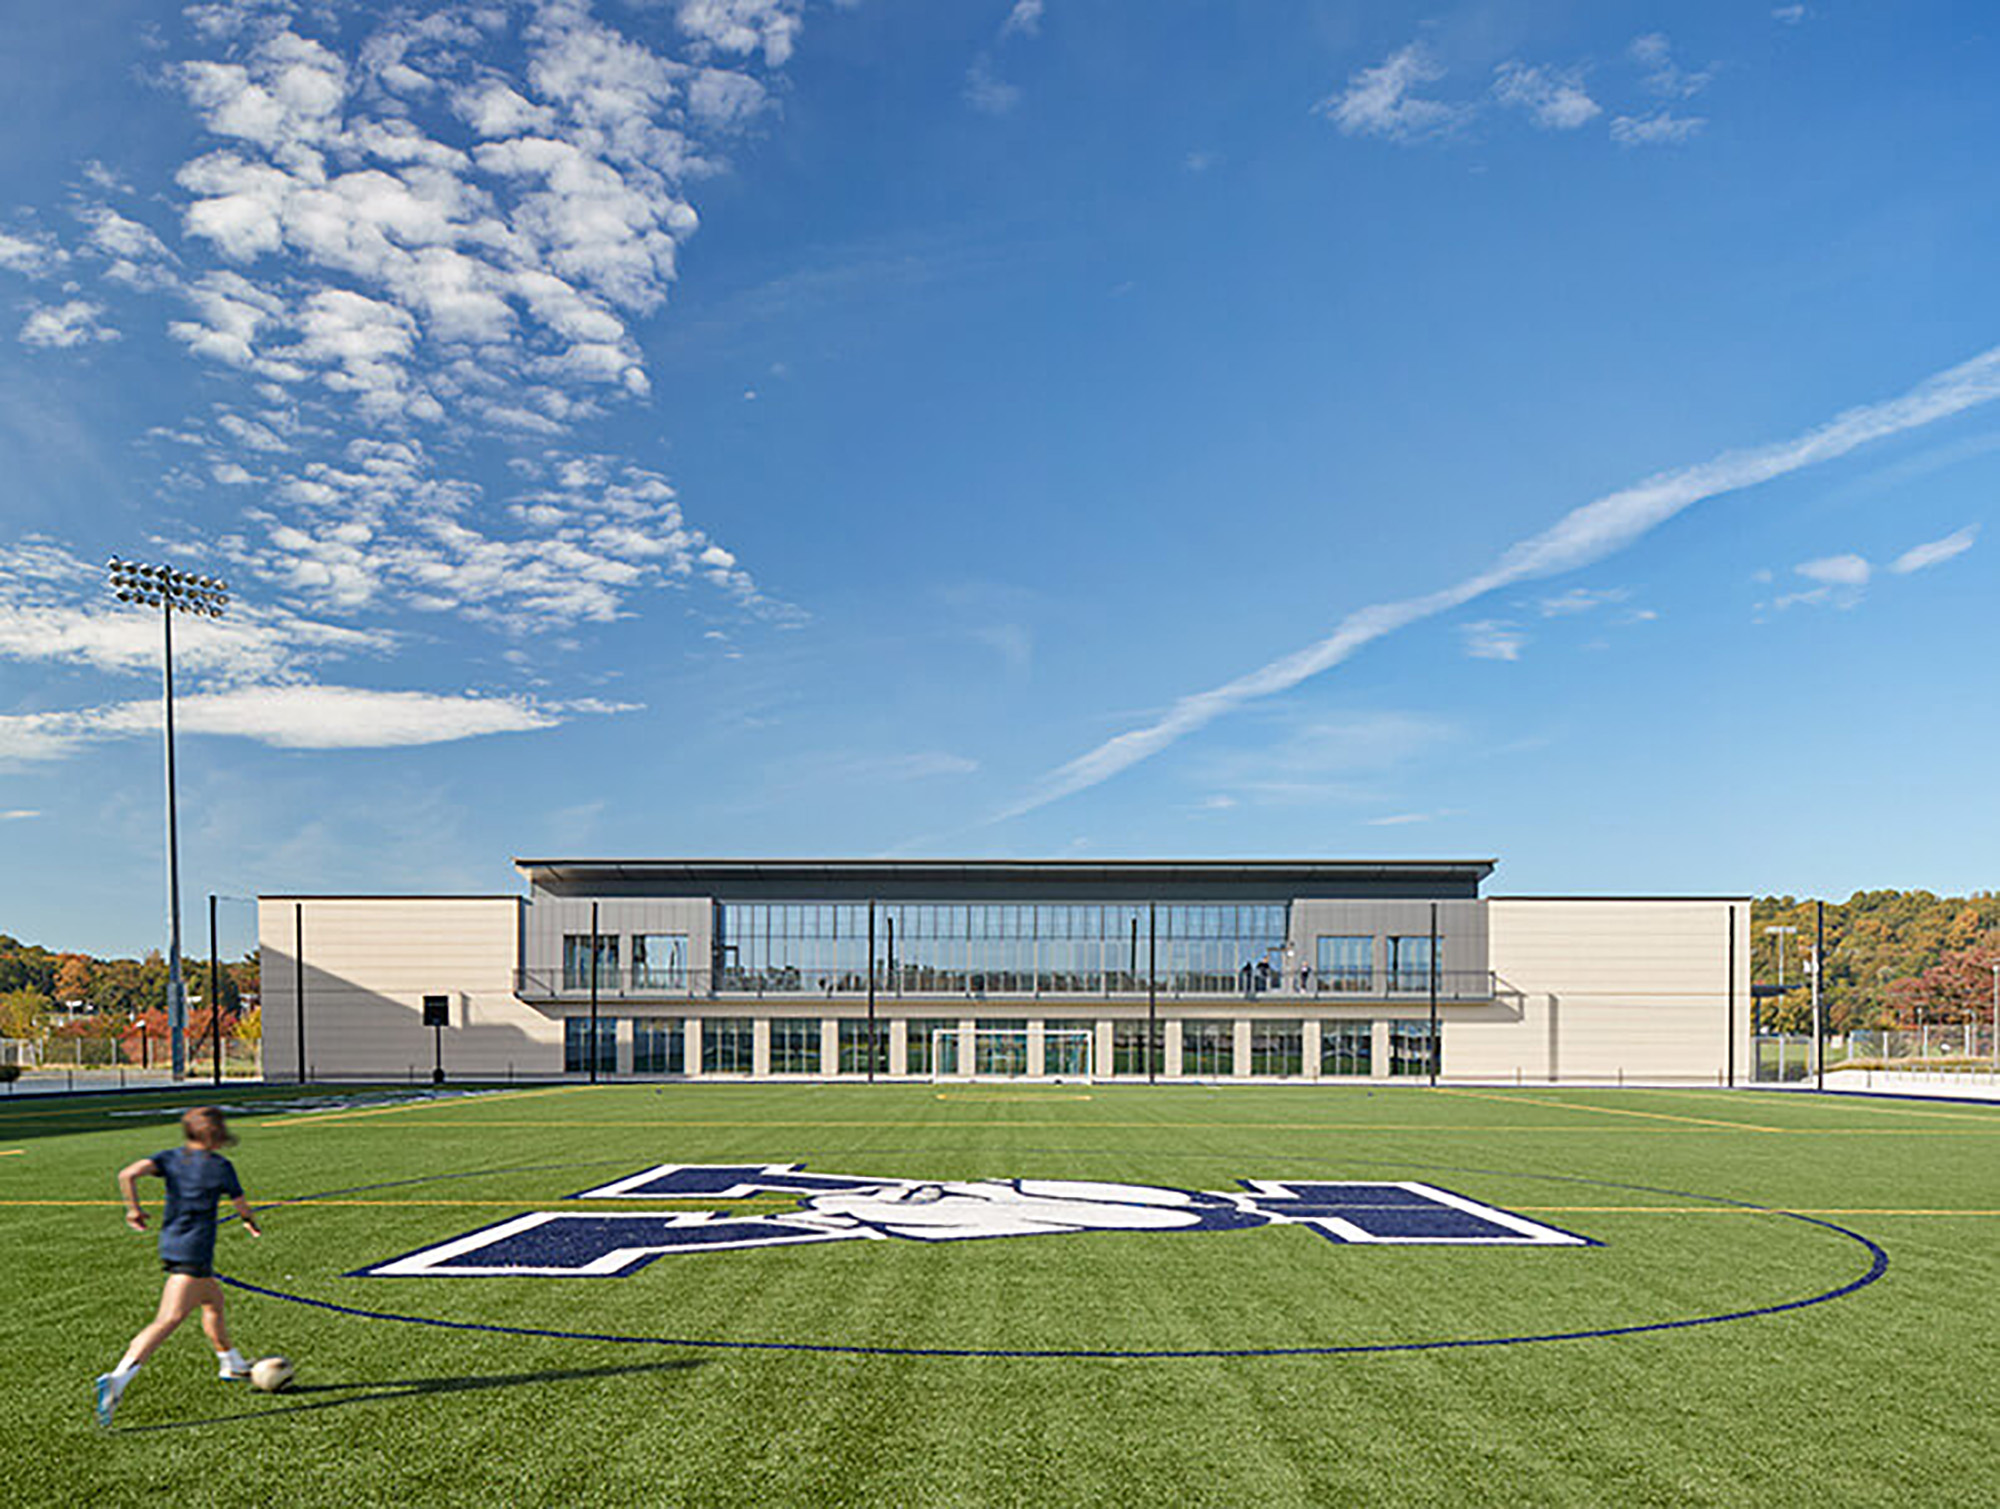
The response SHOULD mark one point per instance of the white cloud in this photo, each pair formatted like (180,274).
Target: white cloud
(1837,570)
(744,25)
(1555,100)
(1935,552)
(1580,600)
(986,93)
(1494,639)
(1790,15)
(286,717)
(1377,101)
(1404,819)
(18,815)
(1664,76)
(1585,534)
(70,323)
(1025,19)
(34,253)
(1201,162)
(1660,129)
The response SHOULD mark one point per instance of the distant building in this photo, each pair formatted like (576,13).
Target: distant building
(1110,970)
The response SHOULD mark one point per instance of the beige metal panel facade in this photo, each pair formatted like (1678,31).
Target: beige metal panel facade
(368,963)
(1601,989)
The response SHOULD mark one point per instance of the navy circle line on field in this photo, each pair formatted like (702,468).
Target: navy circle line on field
(1878,1266)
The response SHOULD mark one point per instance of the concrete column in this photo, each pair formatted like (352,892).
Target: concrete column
(760,1046)
(1100,1058)
(1170,1050)
(1309,1047)
(899,1047)
(1035,1042)
(691,1046)
(1378,1049)
(622,1026)
(965,1063)
(829,1046)
(1241,1056)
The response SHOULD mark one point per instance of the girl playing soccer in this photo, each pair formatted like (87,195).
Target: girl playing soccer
(196,1175)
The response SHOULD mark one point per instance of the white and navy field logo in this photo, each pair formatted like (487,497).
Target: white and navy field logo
(844,1208)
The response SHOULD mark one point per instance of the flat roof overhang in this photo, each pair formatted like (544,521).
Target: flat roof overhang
(1134,878)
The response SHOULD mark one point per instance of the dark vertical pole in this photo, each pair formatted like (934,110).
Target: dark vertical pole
(871,992)
(593,992)
(1133,973)
(1819,995)
(1437,1048)
(176,989)
(299,980)
(1152,989)
(1732,997)
(214,993)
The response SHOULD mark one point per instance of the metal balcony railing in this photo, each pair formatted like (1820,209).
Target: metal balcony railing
(912,981)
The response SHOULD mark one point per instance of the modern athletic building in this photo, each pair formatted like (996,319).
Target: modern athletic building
(1296,971)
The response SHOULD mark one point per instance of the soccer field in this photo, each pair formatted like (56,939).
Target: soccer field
(1778,1299)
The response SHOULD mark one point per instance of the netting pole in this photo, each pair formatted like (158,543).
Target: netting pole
(1436,1047)
(299,980)
(214,994)
(871,992)
(1152,989)
(1732,997)
(1819,1010)
(593,992)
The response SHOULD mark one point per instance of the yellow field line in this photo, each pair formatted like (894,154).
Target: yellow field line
(1846,1103)
(1515,1098)
(12,1152)
(332,1115)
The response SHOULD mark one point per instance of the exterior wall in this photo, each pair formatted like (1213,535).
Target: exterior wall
(1604,989)
(368,964)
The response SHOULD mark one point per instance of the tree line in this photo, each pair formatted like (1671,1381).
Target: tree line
(1893,958)
(46,995)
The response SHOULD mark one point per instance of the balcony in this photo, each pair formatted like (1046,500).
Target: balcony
(786,986)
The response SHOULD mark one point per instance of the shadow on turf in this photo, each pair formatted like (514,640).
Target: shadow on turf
(372,1390)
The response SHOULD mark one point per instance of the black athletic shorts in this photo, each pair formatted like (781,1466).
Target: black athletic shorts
(192,1270)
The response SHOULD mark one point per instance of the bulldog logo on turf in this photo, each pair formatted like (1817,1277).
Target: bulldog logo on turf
(850,1208)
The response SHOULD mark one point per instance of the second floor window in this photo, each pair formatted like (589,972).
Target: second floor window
(1346,962)
(576,961)
(659,961)
(1410,963)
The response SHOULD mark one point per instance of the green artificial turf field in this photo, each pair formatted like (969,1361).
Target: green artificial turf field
(1886,1394)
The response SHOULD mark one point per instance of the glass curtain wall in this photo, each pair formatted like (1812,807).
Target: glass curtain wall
(1278,1048)
(1129,1054)
(956,948)
(1346,1048)
(577,1044)
(1208,1049)
(1000,1047)
(795,1045)
(658,1046)
(726,1045)
(1065,1050)
(854,1045)
(1412,1048)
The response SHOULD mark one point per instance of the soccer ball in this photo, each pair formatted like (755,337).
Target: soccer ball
(271,1374)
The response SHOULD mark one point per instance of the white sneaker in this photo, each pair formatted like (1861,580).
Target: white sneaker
(232,1367)
(108,1390)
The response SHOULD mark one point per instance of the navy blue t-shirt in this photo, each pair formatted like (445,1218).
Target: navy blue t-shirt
(195,1181)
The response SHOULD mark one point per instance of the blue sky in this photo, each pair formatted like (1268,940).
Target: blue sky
(1558,432)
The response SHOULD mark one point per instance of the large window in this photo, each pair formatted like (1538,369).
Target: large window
(577,1042)
(726,1045)
(1410,963)
(1277,1048)
(932,1046)
(1030,948)
(1208,1049)
(659,961)
(1346,1048)
(658,1046)
(1000,1047)
(1412,1048)
(1129,1045)
(1346,963)
(855,1056)
(1067,1047)
(576,961)
(795,1045)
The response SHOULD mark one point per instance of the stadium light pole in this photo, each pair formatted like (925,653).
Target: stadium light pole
(1780,933)
(1818,1014)
(593,992)
(1435,1045)
(1995,1044)
(155,586)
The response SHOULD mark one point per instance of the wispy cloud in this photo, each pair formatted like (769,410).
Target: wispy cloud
(1025,19)
(1405,819)
(1660,129)
(1494,639)
(1380,101)
(1789,15)
(1580,600)
(70,323)
(19,815)
(1838,570)
(1936,552)
(1586,534)
(1665,77)
(1554,99)
(986,92)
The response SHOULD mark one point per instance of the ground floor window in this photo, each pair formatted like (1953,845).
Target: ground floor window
(795,1045)
(658,1046)
(1000,1047)
(1346,1048)
(576,1045)
(932,1047)
(726,1045)
(1129,1048)
(1208,1049)
(1067,1047)
(1413,1049)
(1278,1048)
(855,1053)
